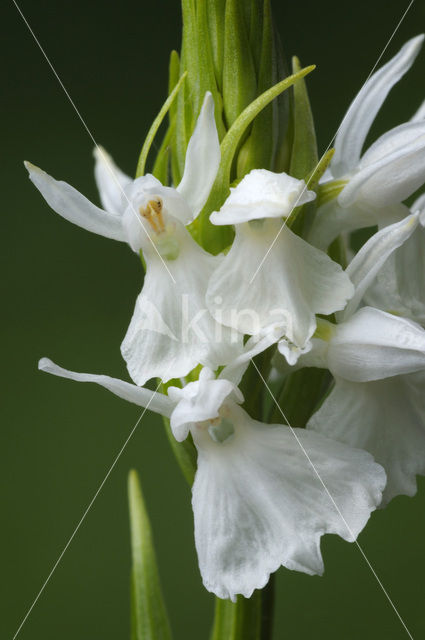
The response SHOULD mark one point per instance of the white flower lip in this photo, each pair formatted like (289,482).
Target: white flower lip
(258,504)
(305,282)
(245,530)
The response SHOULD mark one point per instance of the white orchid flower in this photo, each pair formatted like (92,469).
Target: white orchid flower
(378,363)
(272,277)
(371,187)
(399,286)
(171,331)
(258,498)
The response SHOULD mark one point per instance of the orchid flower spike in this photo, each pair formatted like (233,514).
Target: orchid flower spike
(171,331)
(257,499)
(378,363)
(272,277)
(369,189)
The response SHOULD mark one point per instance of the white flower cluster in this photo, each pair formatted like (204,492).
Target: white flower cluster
(265,494)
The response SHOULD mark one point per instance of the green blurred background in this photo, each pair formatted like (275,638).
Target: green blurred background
(69,295)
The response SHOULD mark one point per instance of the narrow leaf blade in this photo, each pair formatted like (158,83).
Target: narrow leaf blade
(148,613)
(304,156)
(155,126)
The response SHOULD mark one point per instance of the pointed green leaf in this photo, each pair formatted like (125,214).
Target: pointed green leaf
(215,16)
(283,112)
(304,156)
(313,179)
(148,614)
(173,78)
(184,123)
(206,79)
(161,166)
(257,152)
(155,126)
(234,135)
(301,218)
(254,10)
(218,238)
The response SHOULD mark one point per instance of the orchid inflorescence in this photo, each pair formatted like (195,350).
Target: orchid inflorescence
(272,300)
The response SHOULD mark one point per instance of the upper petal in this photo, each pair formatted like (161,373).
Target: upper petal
(262,194)
(73,206)
(259,501)
(202,159)
(371,257)
(400,284)
(391,170)
(362,111)
(146,398)
(111,182)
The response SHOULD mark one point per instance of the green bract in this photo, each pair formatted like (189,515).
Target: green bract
(148,615)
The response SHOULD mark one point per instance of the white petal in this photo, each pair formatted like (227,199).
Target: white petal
(292,353)
(419,203)
(171,330)
(254,346)
(262,194)
(316,356)
(146,398)
(202,159)
(362,111)
(373,254)
(419,114)
(373,344)
(199,401)
(400,284)
(259,504)
(391,170)
(295,282)
(111,182)
(332,219)
(387,419)
(73,206)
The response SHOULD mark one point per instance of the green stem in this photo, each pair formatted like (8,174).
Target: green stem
(267,609)
(240,620)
